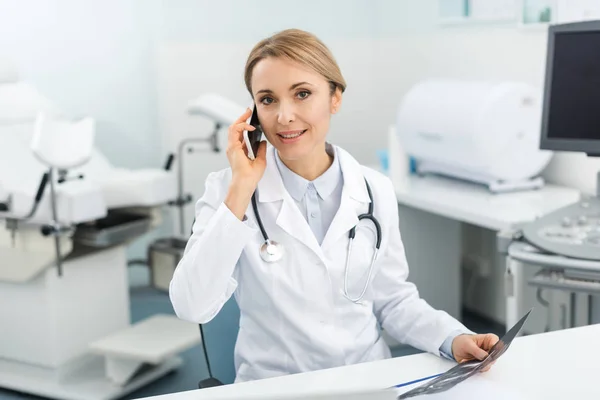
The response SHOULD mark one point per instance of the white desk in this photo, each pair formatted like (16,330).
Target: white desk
(474,204)
(432,212)
(555,365)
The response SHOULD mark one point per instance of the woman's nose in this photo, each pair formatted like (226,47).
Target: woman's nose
(285,114)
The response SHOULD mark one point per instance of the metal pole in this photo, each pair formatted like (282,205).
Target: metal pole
(181,201)
(56,228)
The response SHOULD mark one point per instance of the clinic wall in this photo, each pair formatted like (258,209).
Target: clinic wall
(383,47)
(494,52)
(204,48)
(93,58)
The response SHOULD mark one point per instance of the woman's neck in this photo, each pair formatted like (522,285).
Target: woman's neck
(311,166)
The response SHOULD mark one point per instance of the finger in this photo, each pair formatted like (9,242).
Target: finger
(492,340)
(243,117)
(487,341)
(234,138)
(487,367)
(476,351)
(235,135)
(236,132)
(242,126)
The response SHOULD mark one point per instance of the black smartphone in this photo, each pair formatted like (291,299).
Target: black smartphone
(252,138)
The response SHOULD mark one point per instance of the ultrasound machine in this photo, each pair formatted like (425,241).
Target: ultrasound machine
(565,244)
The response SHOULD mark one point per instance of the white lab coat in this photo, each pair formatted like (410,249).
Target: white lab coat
(294,316)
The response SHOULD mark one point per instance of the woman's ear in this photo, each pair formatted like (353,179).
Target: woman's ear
(336,101)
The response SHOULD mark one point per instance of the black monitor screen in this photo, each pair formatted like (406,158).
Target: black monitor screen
(574,108)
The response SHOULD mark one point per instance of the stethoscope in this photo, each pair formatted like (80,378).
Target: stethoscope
(271,251)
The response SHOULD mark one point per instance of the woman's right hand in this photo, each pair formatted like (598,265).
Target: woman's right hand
(246,173)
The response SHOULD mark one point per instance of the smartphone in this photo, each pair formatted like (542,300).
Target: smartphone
(252,138)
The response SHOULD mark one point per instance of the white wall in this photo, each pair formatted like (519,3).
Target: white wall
(93,58)
(135,64)
(204,49)
(383,47)
(500,51)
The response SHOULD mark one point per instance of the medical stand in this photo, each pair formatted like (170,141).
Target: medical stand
(165,253)
(184,199)
(55,228)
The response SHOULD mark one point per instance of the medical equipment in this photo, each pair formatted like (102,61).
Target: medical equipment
(271,251)
(571,98)
(565,244)
(572,231)
(368,216)
(64,293)
(571,123)
(164,253)
(218,109)
(484,132)
(163,256)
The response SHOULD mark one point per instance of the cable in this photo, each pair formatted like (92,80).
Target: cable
(205,351)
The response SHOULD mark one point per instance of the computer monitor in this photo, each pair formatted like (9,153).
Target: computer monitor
(571,111)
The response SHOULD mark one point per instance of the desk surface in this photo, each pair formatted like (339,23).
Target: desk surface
(560,364)
(474,204)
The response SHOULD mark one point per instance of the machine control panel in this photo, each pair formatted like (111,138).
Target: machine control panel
(572,231)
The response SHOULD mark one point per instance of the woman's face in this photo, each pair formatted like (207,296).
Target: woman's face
(294,107)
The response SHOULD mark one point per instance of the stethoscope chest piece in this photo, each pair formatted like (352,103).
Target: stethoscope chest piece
(271,251)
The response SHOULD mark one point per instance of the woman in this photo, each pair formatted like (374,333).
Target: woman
(306,311)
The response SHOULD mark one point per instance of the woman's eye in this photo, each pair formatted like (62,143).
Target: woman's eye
(266,100)
(303,94)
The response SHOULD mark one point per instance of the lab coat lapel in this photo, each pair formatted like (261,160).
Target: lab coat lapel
(354,202)
(289,218)
(344,220)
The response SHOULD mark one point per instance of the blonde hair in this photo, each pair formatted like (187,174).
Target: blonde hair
(301,47)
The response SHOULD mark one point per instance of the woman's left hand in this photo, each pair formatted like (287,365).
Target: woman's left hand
(473,347)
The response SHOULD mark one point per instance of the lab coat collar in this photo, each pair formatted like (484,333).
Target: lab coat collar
(271,187)
(324,184)
(290,219)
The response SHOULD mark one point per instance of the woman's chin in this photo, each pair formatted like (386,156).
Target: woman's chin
(292,152)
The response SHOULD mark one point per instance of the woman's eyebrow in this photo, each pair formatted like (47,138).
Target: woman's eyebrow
(294,86)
